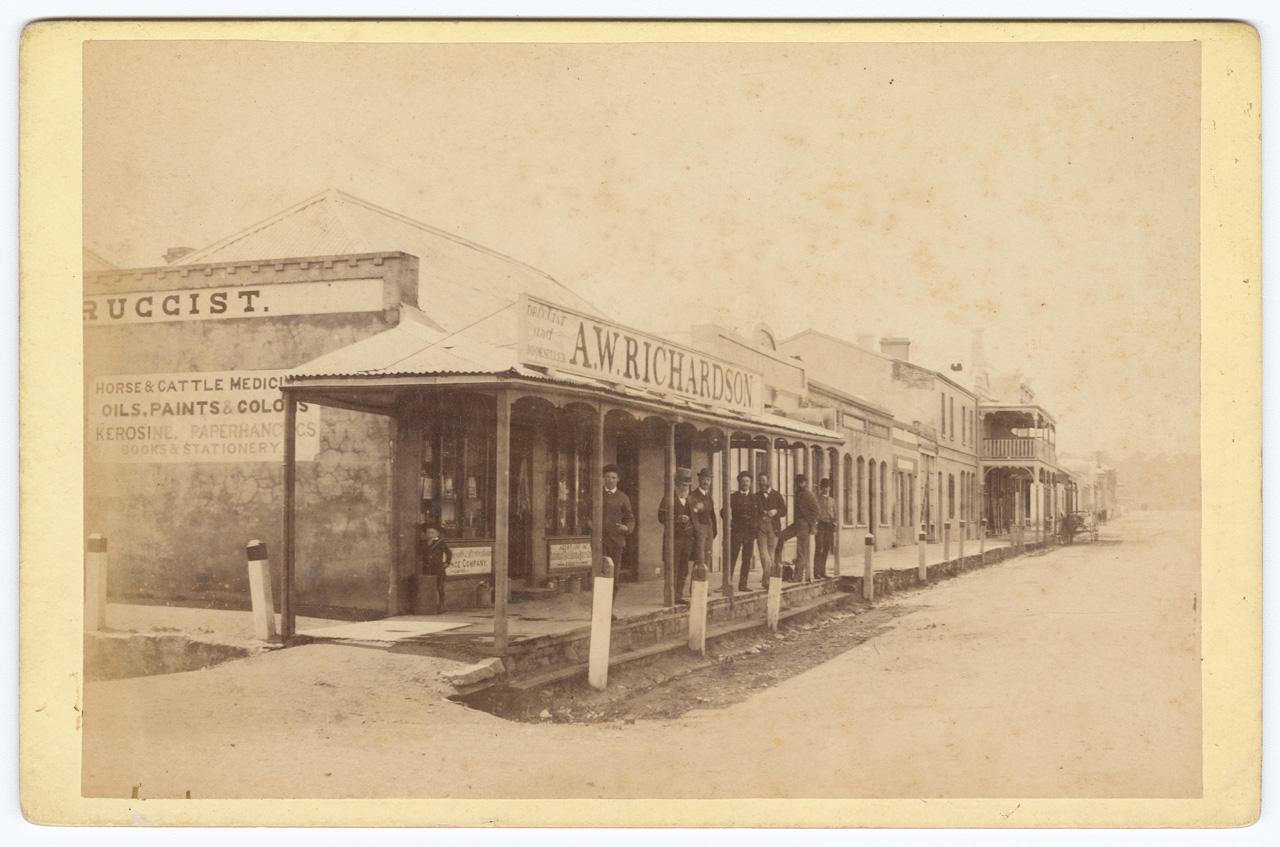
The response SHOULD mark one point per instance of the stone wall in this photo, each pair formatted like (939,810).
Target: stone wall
(177,529)
(548,652)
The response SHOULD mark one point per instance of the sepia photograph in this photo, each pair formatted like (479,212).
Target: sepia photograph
(790,416)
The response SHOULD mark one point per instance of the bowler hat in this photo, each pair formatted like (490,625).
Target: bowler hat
(744,474)
(705,473)
(609,469)
(683,476)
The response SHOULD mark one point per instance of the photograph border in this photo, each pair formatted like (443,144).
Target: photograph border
(51,437)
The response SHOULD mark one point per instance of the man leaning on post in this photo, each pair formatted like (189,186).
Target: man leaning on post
(801,529)
(704,519)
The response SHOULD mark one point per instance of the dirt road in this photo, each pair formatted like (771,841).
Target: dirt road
(1069,674)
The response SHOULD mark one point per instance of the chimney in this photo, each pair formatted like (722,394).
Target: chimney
(896,348)
(977,352)
(173,254)
(865,339)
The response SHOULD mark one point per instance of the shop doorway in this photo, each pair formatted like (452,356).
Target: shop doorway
(628,461)
(520,525)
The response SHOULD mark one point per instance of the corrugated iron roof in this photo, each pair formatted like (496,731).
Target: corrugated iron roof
(416,348)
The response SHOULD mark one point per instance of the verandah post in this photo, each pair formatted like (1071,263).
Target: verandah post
(669,587)
(502,497)
(290,480)
(726,545)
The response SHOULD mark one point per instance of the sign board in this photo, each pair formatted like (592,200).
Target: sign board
(212,416)
(568,555)
(555,337)
(474,560)
(908,465)
(236,301)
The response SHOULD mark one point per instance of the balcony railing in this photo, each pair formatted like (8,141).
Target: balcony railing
(1017,448)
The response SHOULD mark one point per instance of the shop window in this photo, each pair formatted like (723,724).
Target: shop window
(458,467)
(884,476)
(911,498)
(850,492)
(569,477)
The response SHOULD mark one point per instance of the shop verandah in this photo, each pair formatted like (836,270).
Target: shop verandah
(507,466)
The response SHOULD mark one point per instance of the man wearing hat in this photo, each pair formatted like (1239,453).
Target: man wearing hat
(773,511)
(434,559)
(683,528)
(619,522)
(704,518)
(744,524)
(801,528)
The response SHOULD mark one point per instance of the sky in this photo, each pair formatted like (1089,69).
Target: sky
(1046,193)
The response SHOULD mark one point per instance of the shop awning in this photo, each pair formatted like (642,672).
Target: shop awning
(416,352)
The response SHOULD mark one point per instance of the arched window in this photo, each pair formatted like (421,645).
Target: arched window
(872,490)
(883,477)
(848,486)
(862,491)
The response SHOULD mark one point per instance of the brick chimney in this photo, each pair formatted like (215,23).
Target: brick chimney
(896,348)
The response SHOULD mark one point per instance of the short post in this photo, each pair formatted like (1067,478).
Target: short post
(946,541)
(698,610)
(962,532)
(773,603)
(982,541)
(923,572)
(601,626)
(95,583)
(263,604)
(868,569)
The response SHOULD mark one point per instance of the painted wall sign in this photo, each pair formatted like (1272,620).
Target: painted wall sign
(213,416)
(568,555)
(908,465)
(474,560)
(555,337)
(241,301)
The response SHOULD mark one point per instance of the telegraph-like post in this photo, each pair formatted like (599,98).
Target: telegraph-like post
(601,625)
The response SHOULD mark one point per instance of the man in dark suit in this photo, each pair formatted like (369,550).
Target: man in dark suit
(826,529)
(744,525)
(619,521)
(801,528)
(773,511)
(704,519)
(683,526)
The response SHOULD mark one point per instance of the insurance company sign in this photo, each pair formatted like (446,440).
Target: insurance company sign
(210,416)
(552,336)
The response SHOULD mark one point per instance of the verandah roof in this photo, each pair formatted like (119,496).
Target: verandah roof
(415,351)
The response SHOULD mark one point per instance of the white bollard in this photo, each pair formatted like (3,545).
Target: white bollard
(962,532)
(946,541)
(921,545)
(264,609)
(698,610)
(95,583)
(868,569)
(773,603)
(601,626)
